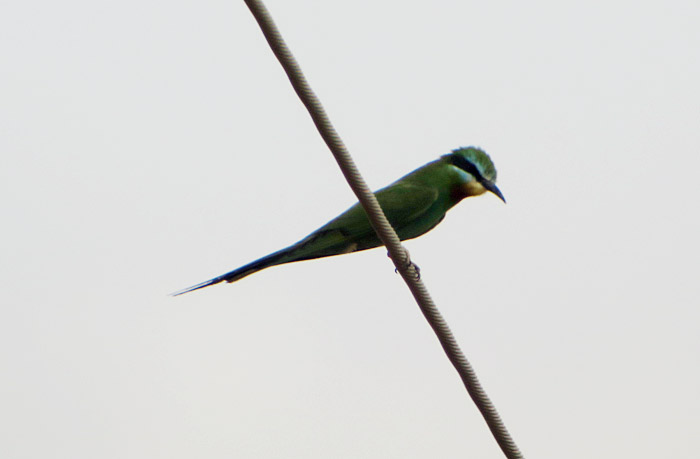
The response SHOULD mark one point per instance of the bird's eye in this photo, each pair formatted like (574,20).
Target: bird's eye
(467,166)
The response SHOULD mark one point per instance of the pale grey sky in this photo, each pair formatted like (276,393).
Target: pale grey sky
(147,146)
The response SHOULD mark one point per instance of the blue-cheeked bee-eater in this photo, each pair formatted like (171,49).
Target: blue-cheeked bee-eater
(414,205)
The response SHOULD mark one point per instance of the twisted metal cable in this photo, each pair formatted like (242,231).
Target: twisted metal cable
(383,228)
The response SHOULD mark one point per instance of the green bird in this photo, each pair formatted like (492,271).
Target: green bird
(414,205)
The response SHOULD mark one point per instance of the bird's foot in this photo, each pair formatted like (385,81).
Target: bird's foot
(408,262)
(415,267)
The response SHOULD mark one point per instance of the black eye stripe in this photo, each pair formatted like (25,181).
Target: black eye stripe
(464,164)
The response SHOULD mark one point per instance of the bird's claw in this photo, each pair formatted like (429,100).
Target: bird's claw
(408,263)
(415,266)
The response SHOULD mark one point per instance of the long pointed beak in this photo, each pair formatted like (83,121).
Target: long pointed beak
(494,189)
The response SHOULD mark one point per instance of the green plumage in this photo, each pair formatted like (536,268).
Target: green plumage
(414,205)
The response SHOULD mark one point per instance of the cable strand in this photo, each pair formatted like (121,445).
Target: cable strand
(383,228)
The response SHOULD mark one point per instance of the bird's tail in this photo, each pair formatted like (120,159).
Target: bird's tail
(273,259)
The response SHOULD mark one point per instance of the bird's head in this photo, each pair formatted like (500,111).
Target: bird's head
(477,171)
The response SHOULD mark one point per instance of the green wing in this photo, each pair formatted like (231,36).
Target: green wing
(407,206)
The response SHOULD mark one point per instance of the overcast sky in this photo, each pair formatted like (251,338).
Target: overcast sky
(146,146)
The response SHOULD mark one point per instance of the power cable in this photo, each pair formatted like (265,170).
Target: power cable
(381,225)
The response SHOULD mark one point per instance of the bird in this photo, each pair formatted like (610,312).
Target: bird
(414,205)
